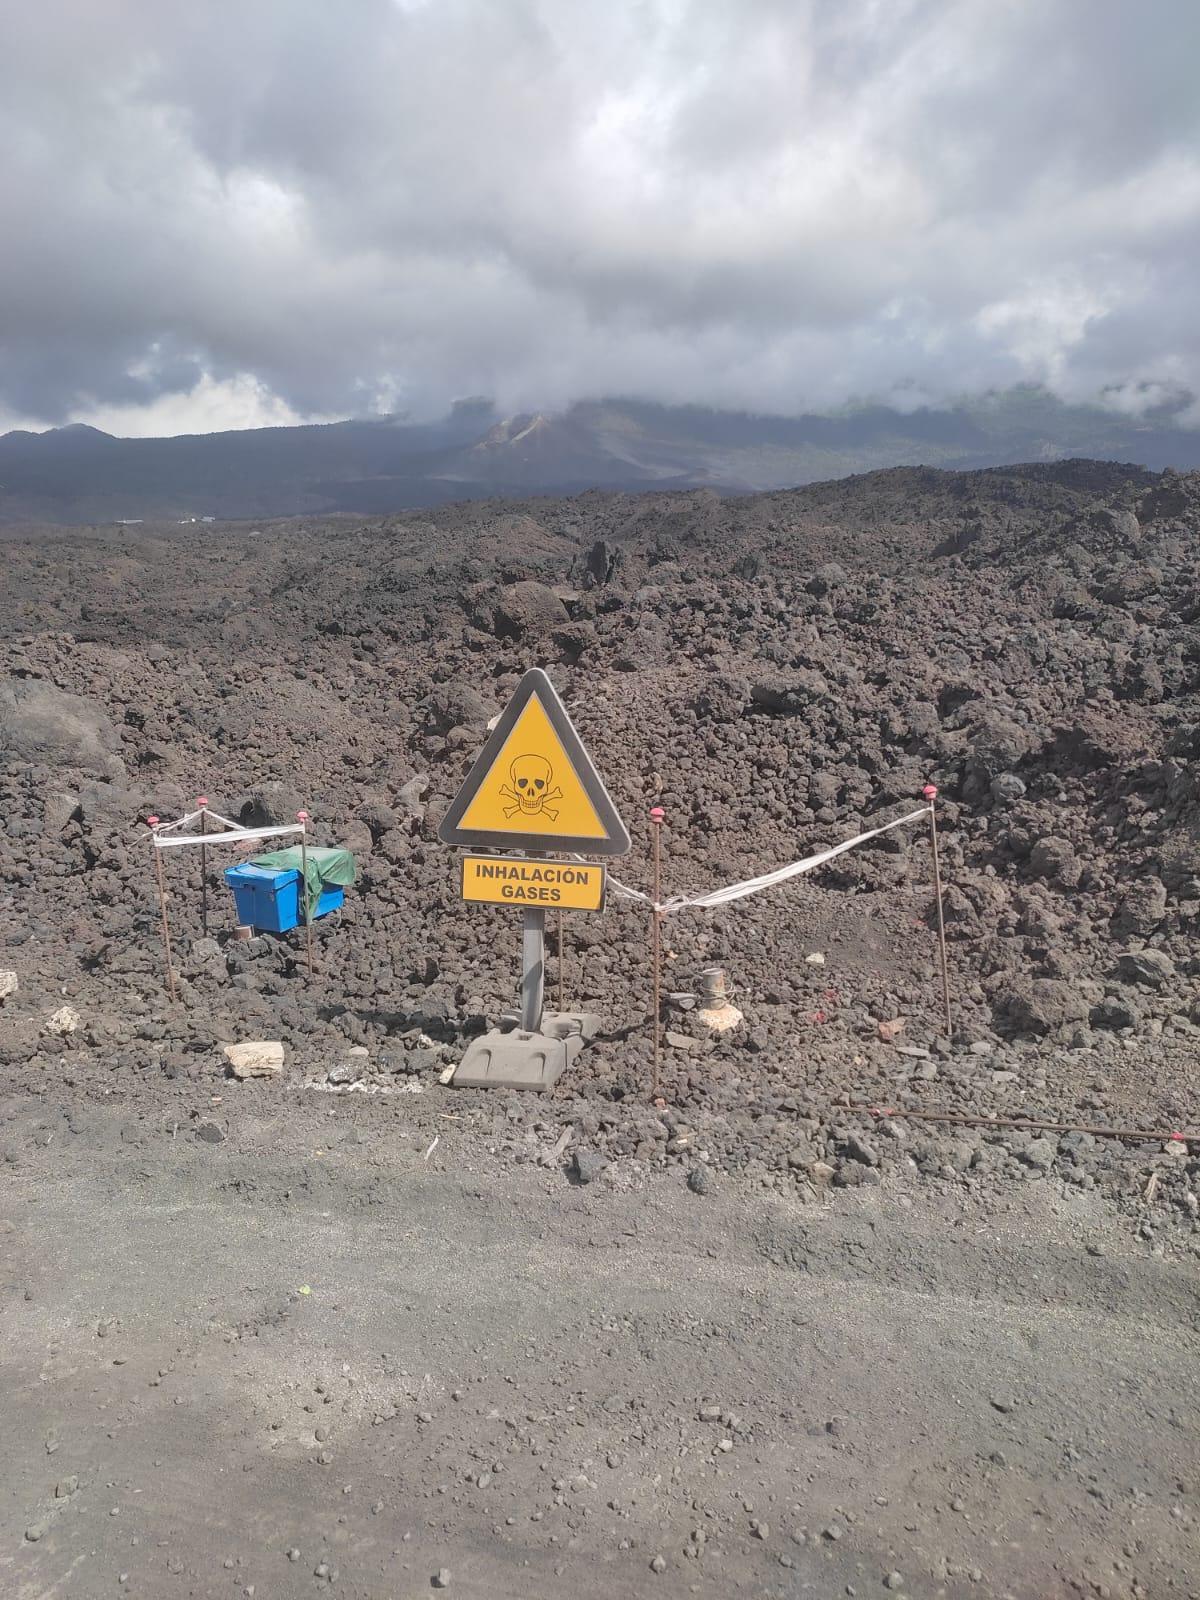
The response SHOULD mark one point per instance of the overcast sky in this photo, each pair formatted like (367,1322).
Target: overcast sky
(229,212)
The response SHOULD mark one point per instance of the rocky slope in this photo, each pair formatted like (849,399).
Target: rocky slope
(778,672)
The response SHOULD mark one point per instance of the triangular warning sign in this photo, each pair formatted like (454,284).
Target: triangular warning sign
(534,783)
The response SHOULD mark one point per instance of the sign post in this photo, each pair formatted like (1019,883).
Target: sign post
(533,969)
(533,787)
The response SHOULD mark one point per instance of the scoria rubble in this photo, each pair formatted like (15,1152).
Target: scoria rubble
(779,673)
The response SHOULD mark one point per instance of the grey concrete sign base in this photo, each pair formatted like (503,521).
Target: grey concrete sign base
(512,1058)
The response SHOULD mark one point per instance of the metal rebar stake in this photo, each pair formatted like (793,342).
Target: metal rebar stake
(302,819)
(656,821)
(202,802)
(162,906)
(930,793)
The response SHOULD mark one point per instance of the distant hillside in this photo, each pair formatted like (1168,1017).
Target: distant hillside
(80,475)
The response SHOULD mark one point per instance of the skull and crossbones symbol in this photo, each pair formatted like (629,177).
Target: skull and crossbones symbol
(530,788)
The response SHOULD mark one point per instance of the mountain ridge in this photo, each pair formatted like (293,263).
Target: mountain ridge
(80,474)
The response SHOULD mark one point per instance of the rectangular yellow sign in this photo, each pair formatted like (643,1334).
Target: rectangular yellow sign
(519,881)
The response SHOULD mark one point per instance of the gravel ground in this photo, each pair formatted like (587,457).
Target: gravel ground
(309,1359)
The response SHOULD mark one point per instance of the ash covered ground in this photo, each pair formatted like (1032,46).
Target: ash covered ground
(779,673)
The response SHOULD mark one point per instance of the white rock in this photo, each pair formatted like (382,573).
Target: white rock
(720,1018)
(816,959)
(64,1020)
(8,984)
(255,1058)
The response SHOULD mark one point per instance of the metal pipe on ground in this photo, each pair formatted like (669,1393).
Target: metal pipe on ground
(962,1119)
(716,1013)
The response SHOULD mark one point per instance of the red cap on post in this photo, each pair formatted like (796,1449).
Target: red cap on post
(657,813)
(152,822)
(202,800)
(930,791)
(302,816)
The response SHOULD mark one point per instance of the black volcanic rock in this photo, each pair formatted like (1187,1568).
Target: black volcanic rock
(351,667)
(528,611)
(42,725)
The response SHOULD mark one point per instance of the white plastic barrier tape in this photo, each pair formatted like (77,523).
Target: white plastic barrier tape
(194,816)
(162,842)
(217,815)
(738,891)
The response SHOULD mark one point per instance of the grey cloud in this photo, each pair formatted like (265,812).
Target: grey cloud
(776,204)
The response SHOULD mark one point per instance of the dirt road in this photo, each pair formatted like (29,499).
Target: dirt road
(306,1359)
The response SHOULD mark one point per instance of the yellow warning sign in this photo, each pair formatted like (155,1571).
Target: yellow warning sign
(532,786)
(535,783)
(522,881)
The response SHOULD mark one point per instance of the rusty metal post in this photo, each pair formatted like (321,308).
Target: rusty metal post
(930,793)
(302,819)
(656,821)
(162,906)
(202,802)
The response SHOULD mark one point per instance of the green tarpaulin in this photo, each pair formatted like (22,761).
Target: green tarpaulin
(325,866)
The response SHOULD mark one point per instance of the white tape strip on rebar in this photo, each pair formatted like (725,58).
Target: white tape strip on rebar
(194,816)
(216,815)
(237,834)
(748,886)
(180,822)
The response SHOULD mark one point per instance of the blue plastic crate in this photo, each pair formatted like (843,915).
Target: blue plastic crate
(270,899)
